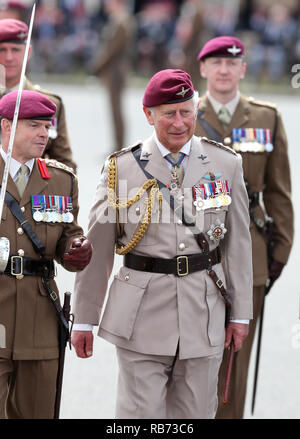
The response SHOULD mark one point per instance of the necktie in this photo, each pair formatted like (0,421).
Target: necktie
(175,158)
(224,116)
(21,180)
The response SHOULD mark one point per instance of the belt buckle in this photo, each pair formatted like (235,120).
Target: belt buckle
(12,270)
(219,283)
(186,259)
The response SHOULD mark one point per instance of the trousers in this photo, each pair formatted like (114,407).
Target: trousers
(27,388)
(164,387)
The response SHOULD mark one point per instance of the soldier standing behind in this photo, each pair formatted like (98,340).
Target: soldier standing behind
(255,130)
(45,193)
(13,36)
(111,63)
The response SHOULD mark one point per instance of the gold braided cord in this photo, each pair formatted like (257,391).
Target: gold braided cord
(117,204)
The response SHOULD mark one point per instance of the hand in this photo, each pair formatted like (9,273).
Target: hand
(83,343)
(80,253)
(236,332)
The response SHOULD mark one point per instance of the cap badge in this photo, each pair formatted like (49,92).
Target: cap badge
(21,35)
(182,92)
(233,50)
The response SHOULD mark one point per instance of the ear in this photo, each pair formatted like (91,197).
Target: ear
(202,69)
(5,126)
(243,72)
(149,115)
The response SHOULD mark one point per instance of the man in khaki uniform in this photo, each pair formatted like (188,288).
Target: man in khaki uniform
(45,192)
(13,36)
(166,306)
(255,130)
(111,63)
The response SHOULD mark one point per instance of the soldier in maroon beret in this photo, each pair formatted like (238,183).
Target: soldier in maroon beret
(164,312)
(43,196)
(13,37)
(255,130)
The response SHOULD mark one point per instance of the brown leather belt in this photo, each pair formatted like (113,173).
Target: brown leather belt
(180,265)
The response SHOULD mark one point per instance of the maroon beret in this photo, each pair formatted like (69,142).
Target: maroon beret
(6,4)
(13,31)
(222,47)
(33,105)
(168,87)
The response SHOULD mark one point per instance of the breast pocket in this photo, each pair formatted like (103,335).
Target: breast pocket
(124,300)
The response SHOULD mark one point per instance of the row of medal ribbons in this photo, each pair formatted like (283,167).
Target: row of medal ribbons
(252,140)
(212,195)
(52,208)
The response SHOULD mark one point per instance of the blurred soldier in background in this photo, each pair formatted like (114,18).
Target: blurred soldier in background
(255,130)
(13,36)
(12,9)
(111,62)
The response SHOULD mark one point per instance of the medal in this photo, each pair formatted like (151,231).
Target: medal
(216,231)
(38,216)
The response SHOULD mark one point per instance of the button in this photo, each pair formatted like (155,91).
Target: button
(19,276)
(21,252)
(227,141)
(181,246)
(179,222)
(23,209)
(127,277)
(20,231)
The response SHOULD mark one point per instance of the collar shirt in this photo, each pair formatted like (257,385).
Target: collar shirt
(164,151)
(231,105)
(15,165)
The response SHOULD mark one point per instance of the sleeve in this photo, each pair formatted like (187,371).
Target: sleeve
(238,249)
(277,195)
(91,283)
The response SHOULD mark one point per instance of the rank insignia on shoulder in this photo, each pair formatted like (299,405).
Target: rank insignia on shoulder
(52,208)
(256,140)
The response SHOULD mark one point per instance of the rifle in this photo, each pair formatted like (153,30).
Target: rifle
(64,338)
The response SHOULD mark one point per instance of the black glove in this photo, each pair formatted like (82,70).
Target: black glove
(275,269)
(80,253)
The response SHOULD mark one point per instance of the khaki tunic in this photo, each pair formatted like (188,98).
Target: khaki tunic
(26,311)
(152,313)
(266,172)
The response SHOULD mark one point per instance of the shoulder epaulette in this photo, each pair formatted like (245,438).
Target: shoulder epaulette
(124,150)
(262,103)
(55,164)
(219,145)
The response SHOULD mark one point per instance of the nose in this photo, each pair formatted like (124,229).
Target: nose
(43,132)
(223,67)
(178,121)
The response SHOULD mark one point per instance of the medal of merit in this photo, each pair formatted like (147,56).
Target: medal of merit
(211,195)
(256,140)
(216,231)
(52,208)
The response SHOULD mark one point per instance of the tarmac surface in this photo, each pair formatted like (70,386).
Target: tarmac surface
(90,385)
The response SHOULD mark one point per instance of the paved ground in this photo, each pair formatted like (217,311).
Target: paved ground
(90,385)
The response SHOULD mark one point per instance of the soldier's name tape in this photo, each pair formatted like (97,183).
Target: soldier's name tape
(52,208)
(252,140)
